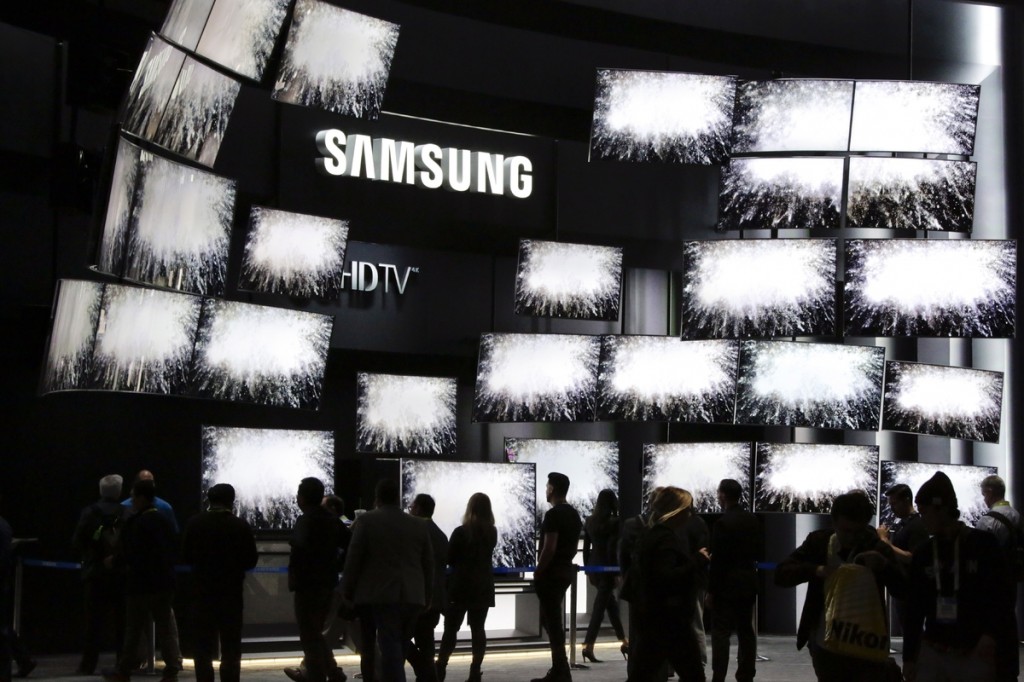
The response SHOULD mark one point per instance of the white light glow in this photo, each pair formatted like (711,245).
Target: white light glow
(185,21)
(405,414)
(966,484)
(116,224)
(75,316)
(806,478)
(792,116)
(907,116)
(240,34)
(698,468)
(568,280)
(592,466)
(151,87)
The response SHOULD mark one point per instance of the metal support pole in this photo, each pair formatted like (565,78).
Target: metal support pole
(572,624)
(19,579)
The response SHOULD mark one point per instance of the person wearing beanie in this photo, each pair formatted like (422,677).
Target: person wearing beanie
(955,596)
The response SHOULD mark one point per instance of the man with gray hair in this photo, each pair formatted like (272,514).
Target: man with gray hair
(103,587)
(1004,522)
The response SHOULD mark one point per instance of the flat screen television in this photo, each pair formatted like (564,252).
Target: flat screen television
(577,281)
(151,87)
(781,193)
(254,353)
(827,386)
(591,465)
(911,194)
(662,116)
(294,254)
(76,312)
(799,478)
(955,402)
(405,414)
(698,468)
(511,488)
(966,483)
(336,59)
(265,467)
(737,288)
(184,22)
(934,287)
(914,116)
(792,115)
(660,378)
(240,36)
(536,377)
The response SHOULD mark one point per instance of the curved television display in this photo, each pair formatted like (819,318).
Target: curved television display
(576,281)
(966,483)
(405,414)
(792,115)
(698,468)
(781,193)
(801,478)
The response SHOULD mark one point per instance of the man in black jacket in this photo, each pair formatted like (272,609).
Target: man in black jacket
(220,548)
(421,654)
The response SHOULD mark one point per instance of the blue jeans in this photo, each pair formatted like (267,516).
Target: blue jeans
(395,624)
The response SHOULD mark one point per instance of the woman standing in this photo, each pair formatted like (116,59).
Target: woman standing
(600,543)
(471,586)
(667,592)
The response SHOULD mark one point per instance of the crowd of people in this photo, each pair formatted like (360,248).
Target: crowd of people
(953,588)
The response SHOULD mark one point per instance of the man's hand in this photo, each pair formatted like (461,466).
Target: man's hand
(883,533)
(703,552)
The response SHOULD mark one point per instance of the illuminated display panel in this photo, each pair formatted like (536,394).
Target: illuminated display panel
(806,478)
(792,115)
(698,468)
(75,316)
(577,281)
(405,414)
(781,193)
(966,483)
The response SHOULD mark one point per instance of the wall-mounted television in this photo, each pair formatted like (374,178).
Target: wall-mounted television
(76,312)
(265,467)
(799,478)
(966,483)
(405,414)
(511,487)
(792,115)
(336,59)
(827,386)
(536,377)
(955,402)
(736,288)
(578,281)
(294,254)
(660,378)
(698,468)
(254,353)
(934,287)
(911,194)
(591,465)
(914,116)
(781,193)
(662,116)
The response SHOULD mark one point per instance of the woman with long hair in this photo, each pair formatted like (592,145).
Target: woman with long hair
(600,545)
(667,592)
(471,584)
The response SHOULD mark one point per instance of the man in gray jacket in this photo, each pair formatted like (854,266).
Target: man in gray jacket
(390,570)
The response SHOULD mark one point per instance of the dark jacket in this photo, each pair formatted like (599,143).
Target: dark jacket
(735,548)
(90,542)
(147,548)
(698,537)
(220,547)
(632,529)
(600,547)
(439,547)
(471,557)
(665,571)
(313,563)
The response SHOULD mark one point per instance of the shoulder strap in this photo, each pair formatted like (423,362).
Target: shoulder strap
(1015,532)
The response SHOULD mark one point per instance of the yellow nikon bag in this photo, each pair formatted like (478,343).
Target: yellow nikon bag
(854,618)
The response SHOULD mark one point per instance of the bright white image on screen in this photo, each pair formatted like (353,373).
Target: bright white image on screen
(240,34)
(805,479)
(907,116)
(579,281)
(906,287)
(336,59)
(405,414)
(827,386)
(265,467)
(144,340)
(911,194)
(180,229)
(75,316)
(511,488)
(254,353)
(536,377)
(779,193)
(591,465)
(792,116)
(663,116)
(966,483)
(294,254)
(117,222)
(758,287)
(699,468)
(185,21)
(151,87)
(943,401)
(655,378)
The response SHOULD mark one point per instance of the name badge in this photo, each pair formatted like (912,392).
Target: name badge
(945,610)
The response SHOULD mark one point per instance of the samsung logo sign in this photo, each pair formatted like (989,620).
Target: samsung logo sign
(424,165)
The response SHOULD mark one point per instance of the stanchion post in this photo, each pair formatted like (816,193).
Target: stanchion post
(572,622)
(19,578)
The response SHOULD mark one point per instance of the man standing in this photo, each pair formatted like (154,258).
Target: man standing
(312,576)
(220,548)
(94,540)
(389,571)
(560,534)
(732,588)
(954,610)
(421,655)
(147,546)
(160,504)
(698,537)
(904,536)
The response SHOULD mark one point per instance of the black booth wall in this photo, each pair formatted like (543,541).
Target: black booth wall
(527,70)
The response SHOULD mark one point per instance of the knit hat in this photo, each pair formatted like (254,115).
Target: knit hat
(937,491)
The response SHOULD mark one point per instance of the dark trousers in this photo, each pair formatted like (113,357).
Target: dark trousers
(218,616)
(453,617)
(140,611)
(103,607)
(665,639)
(729,616)
(830,667)
(421,653)
(550,589)
(604,601)
(395,624)
(311,608)
(368,647)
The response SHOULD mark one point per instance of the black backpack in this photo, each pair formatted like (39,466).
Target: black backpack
(1015,548)
(105,536)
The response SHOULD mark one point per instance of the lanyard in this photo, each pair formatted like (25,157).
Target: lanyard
(956,565)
